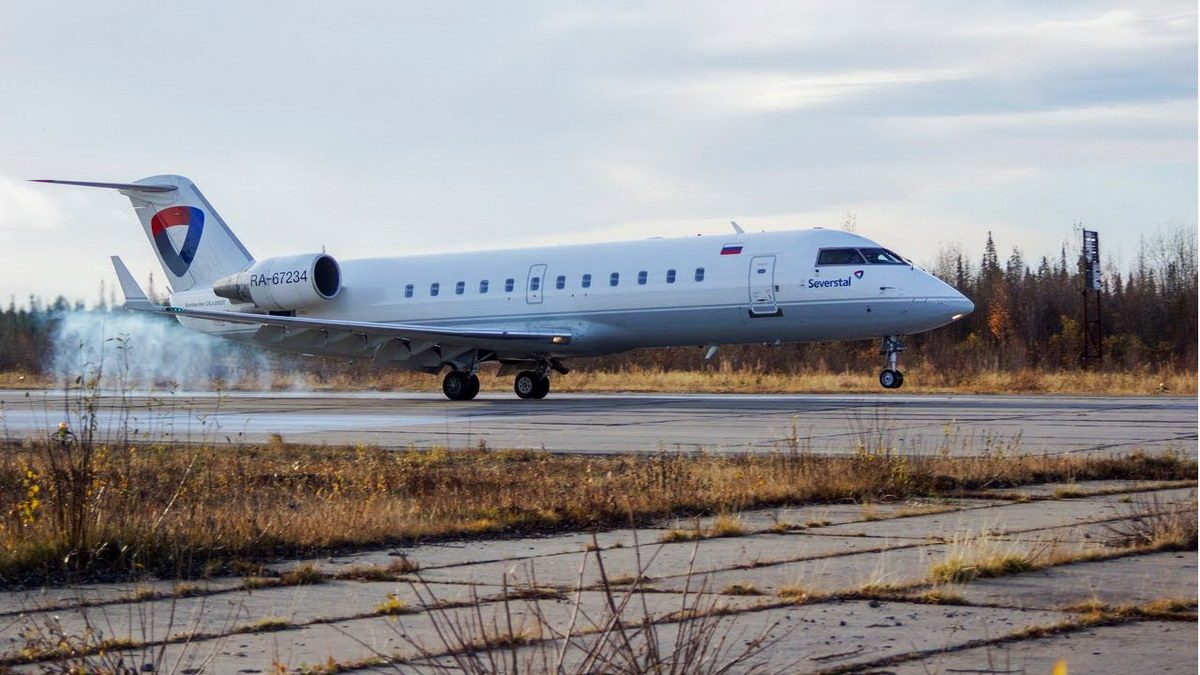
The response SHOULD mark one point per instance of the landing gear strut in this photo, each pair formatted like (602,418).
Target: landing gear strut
(459,385)
(891,377)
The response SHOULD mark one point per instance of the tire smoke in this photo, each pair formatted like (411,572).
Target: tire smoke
(134,350)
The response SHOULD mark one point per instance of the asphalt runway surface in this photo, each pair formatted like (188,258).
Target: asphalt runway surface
(612,423)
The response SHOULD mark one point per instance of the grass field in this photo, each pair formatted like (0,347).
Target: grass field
(727,380)
(96,510)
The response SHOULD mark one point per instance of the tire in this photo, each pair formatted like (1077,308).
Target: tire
(890,379)
(899,380)
(472,387)
(457,386)
(526,384)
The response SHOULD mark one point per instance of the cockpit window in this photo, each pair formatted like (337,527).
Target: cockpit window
(839,256)
(882,256)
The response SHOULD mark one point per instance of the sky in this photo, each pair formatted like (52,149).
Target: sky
(389,128)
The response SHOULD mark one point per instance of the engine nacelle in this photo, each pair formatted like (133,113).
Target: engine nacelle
(286,283)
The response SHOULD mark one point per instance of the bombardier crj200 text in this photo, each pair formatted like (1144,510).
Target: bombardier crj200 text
(529,309)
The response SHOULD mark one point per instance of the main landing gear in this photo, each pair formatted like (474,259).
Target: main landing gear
(891,377)
(460,385)
(531,384)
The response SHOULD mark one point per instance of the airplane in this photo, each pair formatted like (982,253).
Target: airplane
(530,309)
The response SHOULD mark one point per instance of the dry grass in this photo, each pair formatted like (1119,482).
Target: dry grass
(982,556)
(265,625)
(1154,525)
(741,588)
(729,380)
(303,575)
(180,510)
(391,572)
(793,593)
(750,380)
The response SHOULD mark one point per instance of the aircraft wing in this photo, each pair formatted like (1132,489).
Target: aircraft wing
(404,331)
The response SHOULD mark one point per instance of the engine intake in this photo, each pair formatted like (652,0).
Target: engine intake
(285,283)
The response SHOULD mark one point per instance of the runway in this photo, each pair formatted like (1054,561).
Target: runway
(612,423)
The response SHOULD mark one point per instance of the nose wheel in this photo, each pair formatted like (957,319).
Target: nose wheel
(891,377)
(460,386)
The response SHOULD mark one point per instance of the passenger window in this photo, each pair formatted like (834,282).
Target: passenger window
(433,288)
(561,282)
(699,274)
(508,285)
(839,256)
(670,276)
(642,278)
(408,290)
(535,283)
(614,278)
(587,281)
(881,256)
(483,286)
(460,287)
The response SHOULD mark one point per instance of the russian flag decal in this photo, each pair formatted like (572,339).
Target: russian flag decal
(731,249)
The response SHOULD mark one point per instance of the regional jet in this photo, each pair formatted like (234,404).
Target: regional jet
(531,309)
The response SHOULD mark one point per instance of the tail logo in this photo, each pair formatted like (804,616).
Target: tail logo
(177,261)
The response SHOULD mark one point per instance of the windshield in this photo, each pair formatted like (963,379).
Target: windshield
(882,256)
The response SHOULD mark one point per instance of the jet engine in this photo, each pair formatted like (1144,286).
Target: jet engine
(284,283)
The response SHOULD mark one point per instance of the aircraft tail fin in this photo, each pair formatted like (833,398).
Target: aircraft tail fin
(192,242)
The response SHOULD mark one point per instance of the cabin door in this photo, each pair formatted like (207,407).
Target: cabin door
(762,285)
(535,284)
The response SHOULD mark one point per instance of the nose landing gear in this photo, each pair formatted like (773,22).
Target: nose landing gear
(891,377)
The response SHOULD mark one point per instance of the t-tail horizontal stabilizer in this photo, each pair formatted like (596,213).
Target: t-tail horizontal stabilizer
(136,187)
(135,298)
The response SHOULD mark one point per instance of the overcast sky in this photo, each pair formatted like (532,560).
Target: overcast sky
(378,128)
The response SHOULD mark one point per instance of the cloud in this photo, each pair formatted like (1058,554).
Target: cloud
(739,92)
(24,207)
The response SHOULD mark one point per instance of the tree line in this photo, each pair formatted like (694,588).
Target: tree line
(1028,315)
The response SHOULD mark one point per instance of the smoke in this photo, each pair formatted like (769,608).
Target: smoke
(134,350)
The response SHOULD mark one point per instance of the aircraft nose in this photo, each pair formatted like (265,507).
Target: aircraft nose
(961,306)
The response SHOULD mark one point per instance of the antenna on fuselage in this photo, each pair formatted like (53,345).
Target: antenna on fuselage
(737,228)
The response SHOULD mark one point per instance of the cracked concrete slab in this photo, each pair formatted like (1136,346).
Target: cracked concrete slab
(824,575)
(1137,647)
(656,560)
(1008,516)
(809,638)
(355,640)
(1133,580)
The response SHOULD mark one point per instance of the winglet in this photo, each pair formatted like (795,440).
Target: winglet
(135,298)
(737,228)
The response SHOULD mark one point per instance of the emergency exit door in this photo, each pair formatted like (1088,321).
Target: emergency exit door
(762,285)
(533,287)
